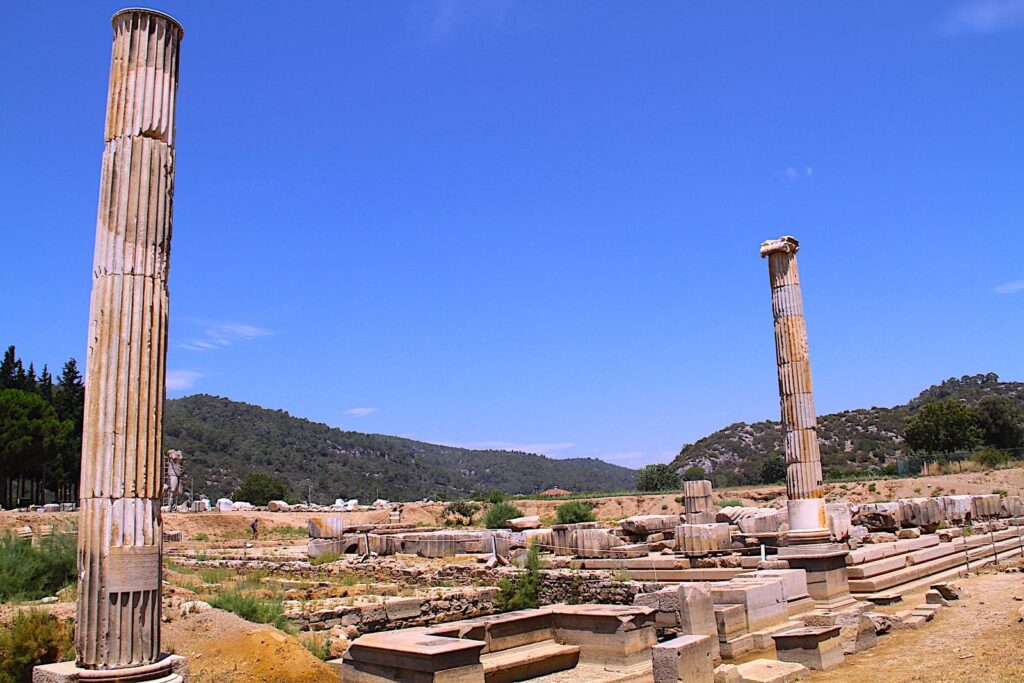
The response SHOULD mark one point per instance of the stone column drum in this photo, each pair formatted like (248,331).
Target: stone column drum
(804,488)
(119,533)
(697,502)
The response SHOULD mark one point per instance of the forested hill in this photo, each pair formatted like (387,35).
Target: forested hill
(852,439)
(223,440)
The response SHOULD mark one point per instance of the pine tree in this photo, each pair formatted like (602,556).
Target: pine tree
(46,384)
(8,368)
(31,383)
(69,401)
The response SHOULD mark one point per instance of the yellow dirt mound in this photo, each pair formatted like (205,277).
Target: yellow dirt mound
(224,648)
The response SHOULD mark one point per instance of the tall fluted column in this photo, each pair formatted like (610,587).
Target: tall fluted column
(119,536)
(804,489)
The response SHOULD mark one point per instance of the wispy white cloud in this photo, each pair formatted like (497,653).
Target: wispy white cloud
(180,380)
(983,16)
(442,20)
(1011,287)
(360,412)
(798,172)
(217,335)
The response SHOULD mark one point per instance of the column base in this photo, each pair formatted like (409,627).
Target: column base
(825,564)
(168,669)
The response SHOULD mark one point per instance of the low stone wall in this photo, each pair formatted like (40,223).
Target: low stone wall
(396,613)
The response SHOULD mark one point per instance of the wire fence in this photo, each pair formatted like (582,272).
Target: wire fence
(918,465)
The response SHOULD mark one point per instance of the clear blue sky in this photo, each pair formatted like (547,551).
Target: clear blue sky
(536,224)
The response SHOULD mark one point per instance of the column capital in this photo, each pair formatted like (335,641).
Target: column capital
(146,10)
(786,244)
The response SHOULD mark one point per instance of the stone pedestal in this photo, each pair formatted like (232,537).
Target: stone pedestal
(825,565)
(168,669)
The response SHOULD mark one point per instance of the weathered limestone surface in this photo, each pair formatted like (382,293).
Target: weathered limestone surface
(688,608)
(700,509)
(817,648)
(701,539)
(686,659)
(119,540)
(804,488)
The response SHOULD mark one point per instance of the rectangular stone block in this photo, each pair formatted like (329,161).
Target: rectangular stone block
(817,648)
(687,659)
(794,581)
(730,621)
(762,601)
(702,539)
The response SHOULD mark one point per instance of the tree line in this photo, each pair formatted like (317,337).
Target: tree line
(949,425)
(40,431)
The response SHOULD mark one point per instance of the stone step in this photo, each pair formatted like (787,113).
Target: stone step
(529,661)
(928,570)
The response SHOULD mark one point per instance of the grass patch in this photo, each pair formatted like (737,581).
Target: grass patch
(253,609)
(326,558)
(32,638)
(201,537)
(286,531)
(1000,492)
(318,646)
(729,502)
(31,572)
(215,574)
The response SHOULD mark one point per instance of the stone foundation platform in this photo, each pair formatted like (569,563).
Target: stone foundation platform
(168,669)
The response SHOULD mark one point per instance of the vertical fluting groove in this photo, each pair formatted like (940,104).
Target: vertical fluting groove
(796,397)
(120,530)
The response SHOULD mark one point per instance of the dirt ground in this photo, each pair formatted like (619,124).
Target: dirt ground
(977,639)
(223,648)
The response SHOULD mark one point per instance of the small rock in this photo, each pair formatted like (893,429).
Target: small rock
(48,600)
(728,673)
(193,607)
(948,591)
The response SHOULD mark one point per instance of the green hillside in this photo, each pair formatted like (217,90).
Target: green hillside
(223,440)
(852,439)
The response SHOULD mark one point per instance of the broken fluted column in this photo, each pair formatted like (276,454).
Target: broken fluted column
(806,506)
(119,531)
(697,502)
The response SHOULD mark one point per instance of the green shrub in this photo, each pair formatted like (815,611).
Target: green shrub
(499,514)
(497,496)
(990,457)
(575,511)
(459,513)
(728,502)
(523,592)
(872,487)
(32,638)
(252,609)
(30,572)
(201,537)
(1000,492)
